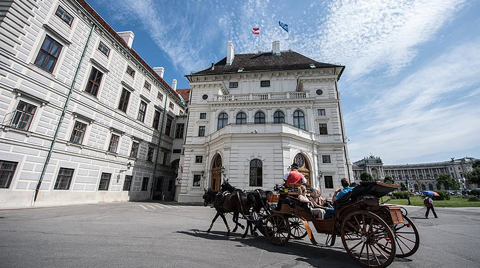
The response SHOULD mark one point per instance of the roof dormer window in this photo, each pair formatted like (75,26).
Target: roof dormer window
(265,83)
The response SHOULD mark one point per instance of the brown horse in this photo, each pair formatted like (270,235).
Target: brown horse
(229,200)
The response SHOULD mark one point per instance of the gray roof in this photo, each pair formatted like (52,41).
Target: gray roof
(267,61)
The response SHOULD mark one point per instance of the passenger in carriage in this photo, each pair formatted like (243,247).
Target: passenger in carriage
(294,176)
(316,211)
(338,194)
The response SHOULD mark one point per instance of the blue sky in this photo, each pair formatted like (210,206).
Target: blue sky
(411,89)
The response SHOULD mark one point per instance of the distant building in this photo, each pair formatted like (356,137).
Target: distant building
(426,173)
(252,115)
(119,139)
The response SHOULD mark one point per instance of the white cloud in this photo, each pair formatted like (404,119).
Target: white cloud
(425,113)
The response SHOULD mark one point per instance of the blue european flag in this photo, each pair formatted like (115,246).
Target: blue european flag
(283,25)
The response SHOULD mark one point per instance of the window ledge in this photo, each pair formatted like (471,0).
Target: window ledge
(17,130)
(132,158)
(111,153)
(75,144)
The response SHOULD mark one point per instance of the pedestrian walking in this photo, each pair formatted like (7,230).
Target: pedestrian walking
(428,202)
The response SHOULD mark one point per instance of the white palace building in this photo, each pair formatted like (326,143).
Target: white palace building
(252,115)
(120,125)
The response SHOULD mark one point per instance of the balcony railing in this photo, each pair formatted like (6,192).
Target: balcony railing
(262,96)
(18,119)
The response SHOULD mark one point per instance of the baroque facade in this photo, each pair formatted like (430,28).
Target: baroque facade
(418,177)
(84,118)
(252,115)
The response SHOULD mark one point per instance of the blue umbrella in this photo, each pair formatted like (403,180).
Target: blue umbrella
(430,193)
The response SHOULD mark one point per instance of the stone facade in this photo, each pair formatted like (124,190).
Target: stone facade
(92,159)
(232,129)
(419,176)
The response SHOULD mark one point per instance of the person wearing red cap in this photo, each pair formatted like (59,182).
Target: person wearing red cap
(294,176)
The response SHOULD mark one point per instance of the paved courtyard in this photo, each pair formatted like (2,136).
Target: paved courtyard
(142,234)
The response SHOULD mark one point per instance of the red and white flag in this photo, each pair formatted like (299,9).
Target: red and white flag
(256,30)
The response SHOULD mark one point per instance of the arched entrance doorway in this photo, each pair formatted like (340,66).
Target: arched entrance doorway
(303,166)
(216,173)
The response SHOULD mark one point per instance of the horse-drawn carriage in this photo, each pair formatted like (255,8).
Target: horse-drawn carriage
(373,234)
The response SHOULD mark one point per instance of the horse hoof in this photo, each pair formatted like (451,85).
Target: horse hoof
(208,231)
(228,234)
(255,234)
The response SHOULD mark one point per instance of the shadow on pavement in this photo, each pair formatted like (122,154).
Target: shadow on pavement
(317,256)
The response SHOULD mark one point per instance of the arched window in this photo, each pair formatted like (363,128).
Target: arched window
(278,117)
(259,118)
(256,172)
(299,119)
(241,118)
(222,120)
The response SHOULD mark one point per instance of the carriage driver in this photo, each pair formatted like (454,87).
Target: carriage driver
(294,176)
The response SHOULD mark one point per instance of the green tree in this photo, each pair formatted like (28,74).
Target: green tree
(388,180)
(474,175)
(448,182)
(419,184)
(403,187)
(366,177)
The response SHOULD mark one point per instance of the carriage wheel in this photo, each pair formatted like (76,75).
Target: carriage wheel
(368,239)
(277,229)
(297,229)
(407,238)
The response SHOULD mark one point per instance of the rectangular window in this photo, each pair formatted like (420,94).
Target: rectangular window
(179,131)
(112,147)
(142,110)
(94,81)
(104,49)
(104,182)
(150,152)
(265,83)
(48,54)
(165,158)
(64,15)
(171,105)
(160,96)
(7,170)
(64,179)
(198,159)
(233,85)
(321,112)
(147,85)
(326,159)
(328,182)
(156,119)
(201,131)
(124,98)
(134,151)
(145,183)
(130,71)
(128,183)
(196,180)
(203,115)
(78,132)
(177,151)
(168,127)
(323,129)
(23,116)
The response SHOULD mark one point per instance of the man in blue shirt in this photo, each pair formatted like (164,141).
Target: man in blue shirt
(339,192)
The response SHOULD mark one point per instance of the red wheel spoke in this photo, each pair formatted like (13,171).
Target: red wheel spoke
(404,244)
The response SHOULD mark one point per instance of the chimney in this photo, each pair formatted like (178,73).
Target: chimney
(159,70)
(127,36)
(230,53)
(174,84)
(276,48)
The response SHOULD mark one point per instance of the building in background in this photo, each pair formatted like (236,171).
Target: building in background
(252,115)
(118,141)
(418,176)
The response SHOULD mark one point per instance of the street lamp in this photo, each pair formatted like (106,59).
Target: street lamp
(203,173)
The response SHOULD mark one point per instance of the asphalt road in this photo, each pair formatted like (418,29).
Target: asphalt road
(173,235)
